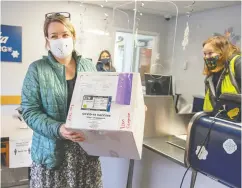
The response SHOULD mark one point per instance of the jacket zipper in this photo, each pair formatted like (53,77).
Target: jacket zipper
(66,92)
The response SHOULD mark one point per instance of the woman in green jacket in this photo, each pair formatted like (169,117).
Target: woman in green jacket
(58,160)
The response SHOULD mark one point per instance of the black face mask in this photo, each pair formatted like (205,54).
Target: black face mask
(105,61)
(101,64)
(211,62)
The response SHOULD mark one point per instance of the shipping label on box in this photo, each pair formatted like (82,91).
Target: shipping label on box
(109,109)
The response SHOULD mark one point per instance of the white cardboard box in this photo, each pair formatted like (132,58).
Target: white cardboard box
(109,109)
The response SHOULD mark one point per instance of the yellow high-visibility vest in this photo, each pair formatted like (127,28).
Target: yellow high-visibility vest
(228,85)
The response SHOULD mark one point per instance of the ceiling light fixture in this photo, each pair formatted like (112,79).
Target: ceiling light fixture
(101,6)
(142,4)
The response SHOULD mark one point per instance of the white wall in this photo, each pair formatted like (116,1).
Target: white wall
(202,25)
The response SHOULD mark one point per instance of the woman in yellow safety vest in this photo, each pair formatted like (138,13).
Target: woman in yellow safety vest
(222,69)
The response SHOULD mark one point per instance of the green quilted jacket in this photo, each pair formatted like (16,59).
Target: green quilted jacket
(44,105)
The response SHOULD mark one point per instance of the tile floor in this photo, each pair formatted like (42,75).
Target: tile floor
(14,178)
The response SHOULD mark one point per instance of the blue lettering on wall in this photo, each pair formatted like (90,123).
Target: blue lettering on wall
(11,43)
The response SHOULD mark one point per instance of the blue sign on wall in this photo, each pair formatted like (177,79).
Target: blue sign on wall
(11,43)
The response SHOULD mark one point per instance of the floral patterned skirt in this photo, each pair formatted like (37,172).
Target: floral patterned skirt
(78,170)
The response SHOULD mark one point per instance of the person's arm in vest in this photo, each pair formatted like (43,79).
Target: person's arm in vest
(237,68)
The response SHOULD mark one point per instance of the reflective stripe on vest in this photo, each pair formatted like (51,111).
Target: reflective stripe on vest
(228,85)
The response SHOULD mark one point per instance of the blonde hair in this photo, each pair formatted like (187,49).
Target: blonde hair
(61,19)
(222,46)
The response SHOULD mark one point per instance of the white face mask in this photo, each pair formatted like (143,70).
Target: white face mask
(62,47)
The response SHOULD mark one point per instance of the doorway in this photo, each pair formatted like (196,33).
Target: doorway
(124,51)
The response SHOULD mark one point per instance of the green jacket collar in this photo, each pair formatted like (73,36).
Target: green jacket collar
(56,64)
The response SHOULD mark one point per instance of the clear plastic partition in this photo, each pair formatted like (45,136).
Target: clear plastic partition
(153,46)
(124,17)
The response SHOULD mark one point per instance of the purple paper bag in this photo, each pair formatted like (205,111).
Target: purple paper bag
(124,88)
